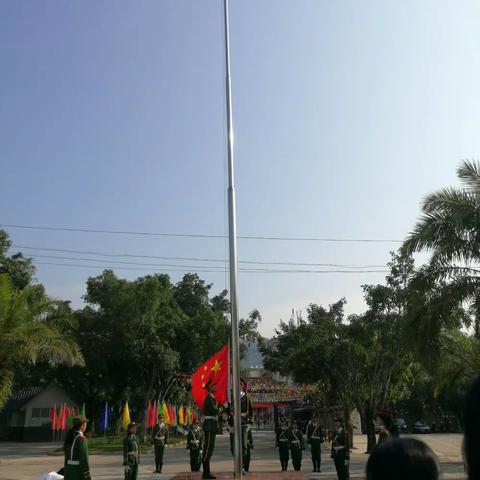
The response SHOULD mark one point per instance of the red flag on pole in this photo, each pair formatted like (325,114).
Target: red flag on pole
(53,416)
(214,370)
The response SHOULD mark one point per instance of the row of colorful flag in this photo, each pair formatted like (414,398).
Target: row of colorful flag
(62,417)
(173,415)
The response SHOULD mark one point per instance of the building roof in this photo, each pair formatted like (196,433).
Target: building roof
(21,396)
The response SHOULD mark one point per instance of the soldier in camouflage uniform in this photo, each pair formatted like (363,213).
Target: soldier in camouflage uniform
(195,445)
(160,440)
(131,452)
(315,439)
(340,450)
(76,452)
(281,442)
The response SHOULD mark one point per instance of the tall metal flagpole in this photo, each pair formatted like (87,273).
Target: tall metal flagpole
(232,231)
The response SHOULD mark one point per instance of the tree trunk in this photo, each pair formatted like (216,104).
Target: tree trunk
(348,427)
(371,437)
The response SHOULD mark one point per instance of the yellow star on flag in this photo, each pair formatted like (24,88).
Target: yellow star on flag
(216,367)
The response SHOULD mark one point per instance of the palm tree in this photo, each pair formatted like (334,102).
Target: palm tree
(450,229)
(27,335)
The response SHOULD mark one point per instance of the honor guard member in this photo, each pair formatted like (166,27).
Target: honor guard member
(282,443)
(160,440)
(297,444)
(210,426)
(247,441)
(131,452)
(340,450)
(76,451)
(195,445)
(246,409)
(315,438)
(247,446)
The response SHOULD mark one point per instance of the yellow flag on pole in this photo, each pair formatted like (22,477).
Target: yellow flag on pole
(125,416)
(166,415)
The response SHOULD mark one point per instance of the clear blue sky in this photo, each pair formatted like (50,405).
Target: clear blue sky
(346,113)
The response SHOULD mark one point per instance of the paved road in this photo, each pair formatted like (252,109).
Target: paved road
(20,461)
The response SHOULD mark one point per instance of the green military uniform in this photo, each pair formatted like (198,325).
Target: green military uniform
(247,441)
(195,445)
(210,426)
(246,409)
(283,446)
(76,458)
(315,439)
(131,456)
(340,453)
(160,439)
(297,444)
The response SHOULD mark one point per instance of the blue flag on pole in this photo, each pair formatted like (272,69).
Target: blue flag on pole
(105,419)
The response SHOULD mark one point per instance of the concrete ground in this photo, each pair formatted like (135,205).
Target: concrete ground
(29,461)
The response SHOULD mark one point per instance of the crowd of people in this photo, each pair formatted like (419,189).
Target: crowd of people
(393,458)
(268,390)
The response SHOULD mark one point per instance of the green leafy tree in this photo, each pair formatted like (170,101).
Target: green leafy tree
(29,332)
(19,269)
(448,228)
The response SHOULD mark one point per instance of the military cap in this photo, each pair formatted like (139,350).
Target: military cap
(80,419)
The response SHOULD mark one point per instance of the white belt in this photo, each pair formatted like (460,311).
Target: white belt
(73,462)
(132,453)
(317,438)
(195,441)
(209,418)
(295,441)
(338,448)
(284,440)
(159,438)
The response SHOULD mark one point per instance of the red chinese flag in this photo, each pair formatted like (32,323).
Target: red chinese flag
(214,370)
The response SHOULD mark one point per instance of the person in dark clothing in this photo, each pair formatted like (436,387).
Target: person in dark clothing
(297,445)
(315,439)
(281,441)
(195,445)
(160,441)
(471,438)
(403,459)
(210,428)
(340,450)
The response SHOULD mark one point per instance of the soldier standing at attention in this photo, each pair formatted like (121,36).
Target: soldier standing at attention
(297,444)
(210,427)
(282,443)
(76,452)
(340,450)
(160,440)
(246,409)
(315,439)
(195,445)
(131,452)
